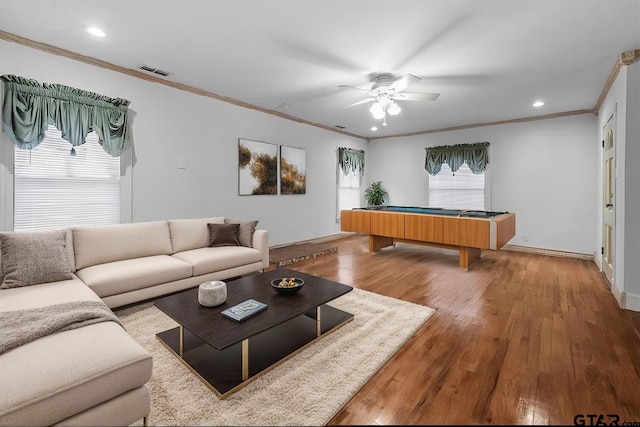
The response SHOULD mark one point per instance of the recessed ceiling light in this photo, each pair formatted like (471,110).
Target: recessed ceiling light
(374,128)
(95,31)
(538,104)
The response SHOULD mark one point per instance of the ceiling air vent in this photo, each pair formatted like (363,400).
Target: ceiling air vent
(154,70)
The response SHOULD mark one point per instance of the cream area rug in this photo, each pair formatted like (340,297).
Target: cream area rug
(307,389)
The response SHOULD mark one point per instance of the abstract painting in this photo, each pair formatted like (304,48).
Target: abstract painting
(257,167)
(293,174)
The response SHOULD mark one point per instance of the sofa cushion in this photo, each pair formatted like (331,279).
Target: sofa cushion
(224,234)
(102,244)
(247,228)
(46,294)
(209,260)
(131,274)
(45,251)
(189,234)
(51,378)
(60,375)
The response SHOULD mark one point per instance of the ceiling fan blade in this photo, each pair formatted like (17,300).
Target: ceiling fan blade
(353,87)
(404,82)
(404,96)
(364,101)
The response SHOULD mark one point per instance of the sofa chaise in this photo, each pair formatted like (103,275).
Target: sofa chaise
(94,373)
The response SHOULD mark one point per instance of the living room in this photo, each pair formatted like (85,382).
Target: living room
(184,162)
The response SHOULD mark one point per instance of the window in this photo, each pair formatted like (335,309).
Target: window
(53,189)
(462,190)
(348,190)
(349,173)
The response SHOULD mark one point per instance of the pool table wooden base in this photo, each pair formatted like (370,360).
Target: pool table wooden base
(466,257)
(466,235)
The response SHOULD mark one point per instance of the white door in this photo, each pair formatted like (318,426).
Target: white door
(608,204)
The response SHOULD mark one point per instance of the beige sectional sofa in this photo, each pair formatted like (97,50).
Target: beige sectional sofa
(128,263)
(97,374)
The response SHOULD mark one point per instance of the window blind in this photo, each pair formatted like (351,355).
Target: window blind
(348,190)
(53,189)
(462,190)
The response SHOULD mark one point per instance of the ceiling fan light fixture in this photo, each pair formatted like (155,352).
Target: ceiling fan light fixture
(384,92)
(377,111)
(385,100)
(394,109)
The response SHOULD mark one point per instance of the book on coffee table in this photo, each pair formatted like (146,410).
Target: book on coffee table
(245,309)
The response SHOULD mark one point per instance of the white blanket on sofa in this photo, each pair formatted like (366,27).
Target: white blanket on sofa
(22,326)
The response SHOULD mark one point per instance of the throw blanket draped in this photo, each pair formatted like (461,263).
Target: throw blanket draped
(22,326)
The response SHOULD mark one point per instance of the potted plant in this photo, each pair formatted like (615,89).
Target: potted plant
(375,194)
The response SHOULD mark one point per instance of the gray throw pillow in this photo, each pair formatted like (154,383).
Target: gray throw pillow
(224,234)
(247,228)
(31,258)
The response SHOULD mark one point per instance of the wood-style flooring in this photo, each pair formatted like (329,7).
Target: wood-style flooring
(518,339)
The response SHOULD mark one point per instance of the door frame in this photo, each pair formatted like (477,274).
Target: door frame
(608,201)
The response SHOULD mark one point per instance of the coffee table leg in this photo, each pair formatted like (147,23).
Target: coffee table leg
(318,321)
(245,360)
(181,340)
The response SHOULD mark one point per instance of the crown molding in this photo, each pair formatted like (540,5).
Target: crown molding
(629,57)
(625,58)
(499,122)
(154,79)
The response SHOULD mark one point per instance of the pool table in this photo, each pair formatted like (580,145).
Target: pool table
(467,231)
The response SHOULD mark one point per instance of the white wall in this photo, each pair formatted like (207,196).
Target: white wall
(170,124)
(545,171)
(615,103)
(632,199)
(624,99)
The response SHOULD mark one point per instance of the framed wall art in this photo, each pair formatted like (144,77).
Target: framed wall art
(257,167)
(293,173)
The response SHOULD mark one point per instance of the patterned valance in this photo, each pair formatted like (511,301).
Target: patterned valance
(30,107)
(475,155)
(351,160)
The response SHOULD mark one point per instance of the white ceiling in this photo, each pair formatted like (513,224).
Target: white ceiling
(489,59)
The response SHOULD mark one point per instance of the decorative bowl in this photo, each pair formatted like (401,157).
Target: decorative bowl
(290,286)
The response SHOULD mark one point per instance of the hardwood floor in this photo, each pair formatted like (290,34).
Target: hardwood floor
(518,339)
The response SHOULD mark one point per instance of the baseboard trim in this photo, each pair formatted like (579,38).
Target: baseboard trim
(549,252)
(598,261)
(620,296)
(314,240)
(631,301)
(513,248)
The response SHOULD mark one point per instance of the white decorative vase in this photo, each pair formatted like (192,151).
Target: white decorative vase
(211,294)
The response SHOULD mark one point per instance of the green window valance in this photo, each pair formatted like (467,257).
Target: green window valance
(351,160)
(475,155)
(30,107)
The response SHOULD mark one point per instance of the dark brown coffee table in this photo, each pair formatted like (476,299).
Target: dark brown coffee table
(226,354)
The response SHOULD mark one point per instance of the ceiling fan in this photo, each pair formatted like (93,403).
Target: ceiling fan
(386,90)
